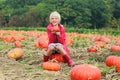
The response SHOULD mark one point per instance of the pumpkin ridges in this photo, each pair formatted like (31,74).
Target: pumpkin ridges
(111,60)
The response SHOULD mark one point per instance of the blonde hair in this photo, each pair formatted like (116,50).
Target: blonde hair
(55,13)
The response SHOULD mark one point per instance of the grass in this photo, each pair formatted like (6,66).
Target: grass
(68,29)
(78,50)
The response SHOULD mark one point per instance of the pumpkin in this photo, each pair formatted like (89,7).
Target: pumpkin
(69,41)
(56,29)
(51,66)
(118,43)
(117,64)
(58,57)
(115,48)
(111,60)
(42,42)
(17,44)
(92,49)
(18,38)
(106,39)
(85,72)
(97,38)
(15,53)
(118,67)
(100,44)
(8,38)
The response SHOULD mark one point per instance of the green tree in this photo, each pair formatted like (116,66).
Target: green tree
(116,8)
(100,13)
(14,21)
(2,20)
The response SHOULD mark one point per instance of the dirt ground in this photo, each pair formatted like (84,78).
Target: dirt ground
(28,67)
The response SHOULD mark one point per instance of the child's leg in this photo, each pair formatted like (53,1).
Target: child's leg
(69,60)
(49,52)
(65,55)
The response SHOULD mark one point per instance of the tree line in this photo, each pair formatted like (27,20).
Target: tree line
(95,14)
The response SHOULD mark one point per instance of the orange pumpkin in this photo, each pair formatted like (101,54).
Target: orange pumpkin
(51,66)
(106,39)
(69,41)
(42,42)
(118,42)
(97,38)
(100,44)
(15,53)
(118,67)
(8,38)
(57,57)
(111,60)
(85,72)
(115,48)
(56,29)
(17,44)
(92,49)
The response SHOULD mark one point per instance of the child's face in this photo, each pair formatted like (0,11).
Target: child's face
(54,20)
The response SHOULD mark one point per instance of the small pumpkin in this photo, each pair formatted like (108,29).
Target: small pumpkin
(115,48)
(118,43)
(97,38)
(15,53)
(85,72)
(100,44)
(8,38)
(56,29)
(92,49)
(17,44)
(51,66)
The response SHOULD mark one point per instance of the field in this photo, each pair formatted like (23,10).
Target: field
(28,67)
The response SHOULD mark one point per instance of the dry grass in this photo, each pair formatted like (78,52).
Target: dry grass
(28,68)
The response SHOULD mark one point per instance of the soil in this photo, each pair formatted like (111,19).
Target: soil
(28,67)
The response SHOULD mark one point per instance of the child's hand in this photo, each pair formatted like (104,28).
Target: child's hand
(58,33)
(53,32)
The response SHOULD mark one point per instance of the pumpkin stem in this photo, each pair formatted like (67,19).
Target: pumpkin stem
(54,60)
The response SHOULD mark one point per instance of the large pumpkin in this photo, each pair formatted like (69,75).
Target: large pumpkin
(85,72)
(51,66)
(15,53)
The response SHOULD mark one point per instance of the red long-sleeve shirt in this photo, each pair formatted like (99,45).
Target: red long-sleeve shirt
(61,37)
